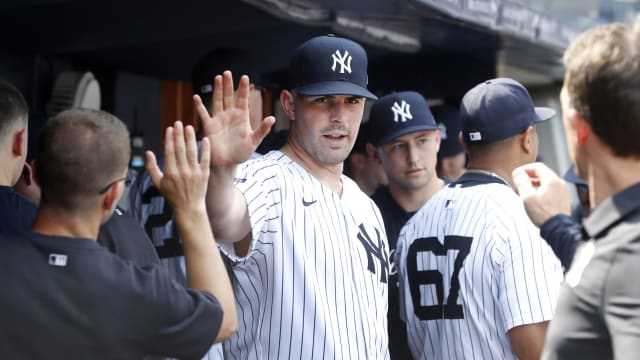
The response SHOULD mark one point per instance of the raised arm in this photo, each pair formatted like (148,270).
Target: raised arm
(184,184)
(547,203)
(233,141)
(544,193)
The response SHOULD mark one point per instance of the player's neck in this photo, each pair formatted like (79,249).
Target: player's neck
(498,172)
(411,200)
(609,175)
(329,175)
(10,171)
(57,222)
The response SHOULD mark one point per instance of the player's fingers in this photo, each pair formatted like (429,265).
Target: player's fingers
(203,114)
(523,182)
(242,98)
(179,144)
(205,157)
(539,171)
(262,130)
(169,152)
(153,169)
(191,145)
(217,105)
(227,90)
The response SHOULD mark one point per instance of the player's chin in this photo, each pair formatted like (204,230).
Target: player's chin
(332,157)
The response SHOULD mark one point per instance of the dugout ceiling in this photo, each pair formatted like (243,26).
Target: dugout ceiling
(441,47)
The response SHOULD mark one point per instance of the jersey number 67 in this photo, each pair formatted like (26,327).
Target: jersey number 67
(419,278)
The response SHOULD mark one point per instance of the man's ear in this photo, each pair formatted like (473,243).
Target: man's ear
(287,103)
(581,127)
(112,196)
(19,141)
(27,174)
(526,140)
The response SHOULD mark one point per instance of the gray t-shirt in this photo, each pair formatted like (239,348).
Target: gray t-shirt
(598,313)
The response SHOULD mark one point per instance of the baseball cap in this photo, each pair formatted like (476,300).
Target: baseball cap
(398,114)
(448,118)
(329,65)
(215,63)
(498,109)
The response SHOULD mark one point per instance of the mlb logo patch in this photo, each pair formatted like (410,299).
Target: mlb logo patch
(475,136)
(58,260)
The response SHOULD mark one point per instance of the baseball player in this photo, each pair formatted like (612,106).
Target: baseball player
(476,279)
(66,296)
(404,140)
(308,250)
(149,207)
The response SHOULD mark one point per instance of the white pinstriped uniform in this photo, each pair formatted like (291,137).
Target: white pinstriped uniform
(308,289)
(510,276)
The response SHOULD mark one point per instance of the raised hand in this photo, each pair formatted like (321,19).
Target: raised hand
(229,130)
(184,179)
(544,193)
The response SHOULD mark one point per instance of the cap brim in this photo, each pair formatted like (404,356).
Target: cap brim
(335,88)
(544,113)
(404,131)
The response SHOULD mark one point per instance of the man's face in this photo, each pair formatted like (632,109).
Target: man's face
(410,160)
(326,126)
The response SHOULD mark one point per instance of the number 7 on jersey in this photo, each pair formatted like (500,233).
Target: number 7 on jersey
(419,277)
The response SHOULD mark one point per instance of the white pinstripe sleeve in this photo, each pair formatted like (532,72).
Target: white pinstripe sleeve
(528,290)
(261,196)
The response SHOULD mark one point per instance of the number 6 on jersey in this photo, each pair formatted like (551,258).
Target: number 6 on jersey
(426,251)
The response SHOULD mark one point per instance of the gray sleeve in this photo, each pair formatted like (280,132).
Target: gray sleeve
(621,309)
(186,321)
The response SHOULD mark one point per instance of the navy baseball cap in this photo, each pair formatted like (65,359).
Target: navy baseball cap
(329,65)
(498,109)
(448,118)
(398,114)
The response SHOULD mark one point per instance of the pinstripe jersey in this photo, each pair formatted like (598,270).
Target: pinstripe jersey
(472,266)
(314,283)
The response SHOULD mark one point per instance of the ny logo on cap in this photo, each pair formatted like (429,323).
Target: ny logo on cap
(402,111)
(343,60)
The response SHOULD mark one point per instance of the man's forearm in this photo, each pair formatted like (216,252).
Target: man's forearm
(205,269)
(226,207)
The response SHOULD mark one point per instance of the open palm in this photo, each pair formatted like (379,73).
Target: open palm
(229,130)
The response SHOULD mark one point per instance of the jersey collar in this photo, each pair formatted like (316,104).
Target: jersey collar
(475,177)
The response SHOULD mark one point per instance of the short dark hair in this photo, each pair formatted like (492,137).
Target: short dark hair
(80,151)
(602,80)
(13,106)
